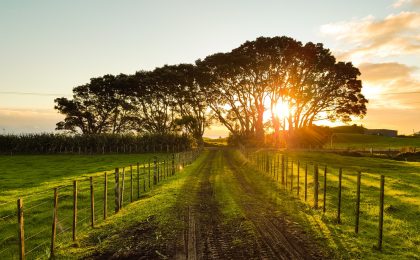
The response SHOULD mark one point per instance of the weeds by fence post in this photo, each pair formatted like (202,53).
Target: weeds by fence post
(306,181)
(131,183)
(381,211)
(117,190)
(298,177)
(54,223)
(316,186)
(21,229)
(325,190)
(105,195)
(122,189)
(92,204)
(356,227)
(74,209)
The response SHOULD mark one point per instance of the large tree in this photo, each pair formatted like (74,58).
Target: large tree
(261,73)
(100,106)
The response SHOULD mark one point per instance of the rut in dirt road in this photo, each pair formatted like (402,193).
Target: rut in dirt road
(273,237)
(205,238)
(278,238)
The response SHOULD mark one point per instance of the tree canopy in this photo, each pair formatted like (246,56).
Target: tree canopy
(269,84)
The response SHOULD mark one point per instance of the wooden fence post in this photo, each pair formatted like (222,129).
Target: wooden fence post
(131,183)
(291,178)
(105,195)
(154,170)
(325,190)
(117,190)
(21,229)
(316,186)
(340,177)
(356,227)
(92,203)
(74,210)
(138,181)
(306,181)
(267,164)
(158,171)
(277,168)
(298,177)
(122,189)
(286,172)
(54,223)
(149,174)
(173,164)
(381,211)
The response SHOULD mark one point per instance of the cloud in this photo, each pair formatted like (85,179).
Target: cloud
(28,120)
(379,72)
(367,38)
(410,3)
(390,85)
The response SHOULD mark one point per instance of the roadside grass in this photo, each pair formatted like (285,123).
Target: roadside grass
(361,141)
(152,216)
(33,178)
(402,204)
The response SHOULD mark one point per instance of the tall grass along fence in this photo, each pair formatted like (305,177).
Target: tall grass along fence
(92,144)
(322,188)
(35,226)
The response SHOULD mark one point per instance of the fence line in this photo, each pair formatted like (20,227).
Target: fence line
(78,205)
(262,161)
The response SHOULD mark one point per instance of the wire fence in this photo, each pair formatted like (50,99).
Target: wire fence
(334,192)
(41,223)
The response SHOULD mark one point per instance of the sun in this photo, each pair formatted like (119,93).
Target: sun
(281,109)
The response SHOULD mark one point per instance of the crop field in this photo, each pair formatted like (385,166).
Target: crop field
(360,141)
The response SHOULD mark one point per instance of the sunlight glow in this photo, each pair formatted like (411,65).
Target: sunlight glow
(282,109)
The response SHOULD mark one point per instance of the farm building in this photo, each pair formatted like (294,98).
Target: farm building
(382,132)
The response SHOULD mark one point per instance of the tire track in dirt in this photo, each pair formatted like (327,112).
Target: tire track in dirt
(279,240)
(205,237)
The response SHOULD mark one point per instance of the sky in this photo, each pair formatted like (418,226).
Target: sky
(49,47)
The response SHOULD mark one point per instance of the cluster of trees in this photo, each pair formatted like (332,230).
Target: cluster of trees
(92,144)
(237,88)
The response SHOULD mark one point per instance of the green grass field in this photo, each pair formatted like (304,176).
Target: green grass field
(33,179)
(215,142)
(402,203)
(154,217)
(360,141)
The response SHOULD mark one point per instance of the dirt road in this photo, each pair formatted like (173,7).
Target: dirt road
(267,235)
(223,210)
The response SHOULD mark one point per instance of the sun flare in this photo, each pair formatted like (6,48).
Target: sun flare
(282,109)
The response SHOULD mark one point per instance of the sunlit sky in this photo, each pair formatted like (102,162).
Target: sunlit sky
(50,47)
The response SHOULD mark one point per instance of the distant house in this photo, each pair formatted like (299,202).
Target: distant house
(381,132)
